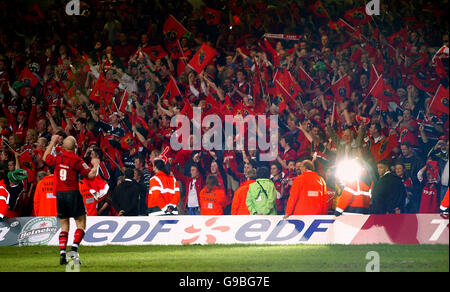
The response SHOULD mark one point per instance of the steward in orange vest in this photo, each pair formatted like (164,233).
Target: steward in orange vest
(164,191)
(212,198)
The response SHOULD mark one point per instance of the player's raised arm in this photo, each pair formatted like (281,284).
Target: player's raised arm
(94,170)
(50,146)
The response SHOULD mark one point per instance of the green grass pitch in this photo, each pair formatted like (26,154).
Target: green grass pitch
(230,258)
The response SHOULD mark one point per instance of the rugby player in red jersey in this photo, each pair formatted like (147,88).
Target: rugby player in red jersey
(69,202)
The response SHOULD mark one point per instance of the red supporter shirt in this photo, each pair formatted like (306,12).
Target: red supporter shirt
(67,167)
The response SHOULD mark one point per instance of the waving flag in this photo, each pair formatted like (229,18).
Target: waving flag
(318,10)
(155,52)
(171,91)
(187,109)
(357,16)
(124,102)
(443,52)
(384,93)
(26,163)
(212,16)
(288,82)
(27,78)
(227,107)
(173,30)
(341,88)
(241,110)
(373,76)
(424,82)
(282,97)
(103,91)
(211,106)
(304,80)
(202,58)
(382,150)
(398,39)
(412,22)
(439,103)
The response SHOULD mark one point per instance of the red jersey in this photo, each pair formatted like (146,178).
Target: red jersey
(67,167)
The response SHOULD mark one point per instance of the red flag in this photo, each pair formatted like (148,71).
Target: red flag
(288,82)
(373,76)
(34,13)
(211,106)
(383,149)
(419,64)
(443,52)
(241,110)
(333,25)
(171,91)
(26,163)
(335,115)
(212,16)
(398,39)
(128,141)
(304,80)
(202,58)
(356,56)
(28,78)
(341,88)
(344,24)
(318,10)
(103,91)
(412,22)
(282,97)
(173,30)
(440,68)
(227,107)
(384,93)
(124,102)
(439,103)
(155,52)
(357,16)
(187,110)
(424,82)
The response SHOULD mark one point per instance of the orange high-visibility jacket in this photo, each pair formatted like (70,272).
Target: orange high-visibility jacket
(45,197)
(212,202)
(163,191)
(308,195)
(444,203)
(239,205)
(354,199)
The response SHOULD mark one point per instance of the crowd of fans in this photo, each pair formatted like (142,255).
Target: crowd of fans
(66,55)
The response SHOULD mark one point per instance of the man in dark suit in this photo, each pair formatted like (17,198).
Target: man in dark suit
(388,193)
(125,197)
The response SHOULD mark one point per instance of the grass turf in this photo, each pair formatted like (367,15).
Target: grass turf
(230,258)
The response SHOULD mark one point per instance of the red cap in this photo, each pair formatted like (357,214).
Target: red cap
(22,113)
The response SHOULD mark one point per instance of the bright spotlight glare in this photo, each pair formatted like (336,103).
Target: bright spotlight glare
(348,171)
